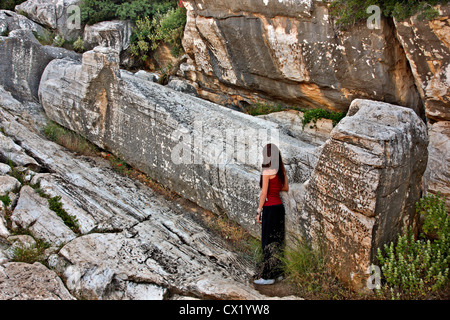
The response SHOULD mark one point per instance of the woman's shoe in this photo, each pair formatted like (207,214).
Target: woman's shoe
(262,281)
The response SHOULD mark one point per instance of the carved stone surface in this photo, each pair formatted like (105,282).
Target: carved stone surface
(205,152)
(363,190)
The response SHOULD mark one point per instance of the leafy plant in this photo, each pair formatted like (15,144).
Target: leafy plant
(93,11)
(416,268)
(78,45)
(31,254)
(46,38)
(312,115)
(167,28)
(6,200)
(59,41)
(308,268)
(434,212)
(171,29)
(141,39)
(348,12)
(71,221)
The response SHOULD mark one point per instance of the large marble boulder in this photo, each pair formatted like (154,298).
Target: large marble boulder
(363,190)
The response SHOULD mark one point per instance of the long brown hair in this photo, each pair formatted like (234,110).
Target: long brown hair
(272,159)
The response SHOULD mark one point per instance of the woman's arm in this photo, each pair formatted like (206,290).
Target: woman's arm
(262,196)
(286,184)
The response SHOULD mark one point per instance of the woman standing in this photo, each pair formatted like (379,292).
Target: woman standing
(271,213)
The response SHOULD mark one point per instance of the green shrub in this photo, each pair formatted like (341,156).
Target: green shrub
(59,41)
(9,4)
(312,115)
(433,210)
(56,206)
(31,254)
(93,11)
(167,28)
(418,268)
(309,269)
(170,29)
(46,38)
(6,200)
(141,39)
(78,45)
(348,12)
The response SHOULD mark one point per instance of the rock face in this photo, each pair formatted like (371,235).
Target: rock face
(295,56)
(363,190)
(10,21)
(24,60)
(115,34)
(23,281)
(133,243)
(213,160)
(426,45)
(32,213)
(59,15)
(437,175)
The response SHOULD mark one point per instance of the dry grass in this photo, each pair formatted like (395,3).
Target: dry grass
(69,139)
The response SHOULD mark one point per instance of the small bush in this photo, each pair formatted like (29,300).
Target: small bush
(419,268)
(78,45)
(167,28)
(313,115)
(46,38)
(26,254)
(56,206)
(93,11)
(308,268)
(6,200)
(29,254)
(170,29)
(348,12)
(433,210)
(59,41)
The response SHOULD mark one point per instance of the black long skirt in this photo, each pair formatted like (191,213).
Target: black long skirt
(272,240)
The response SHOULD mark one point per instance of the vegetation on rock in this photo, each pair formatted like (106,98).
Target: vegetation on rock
(419,268)
(167,28)
(348,12)
(93,11)
(9,4)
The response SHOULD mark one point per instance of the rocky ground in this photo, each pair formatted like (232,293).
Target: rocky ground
(132,243)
